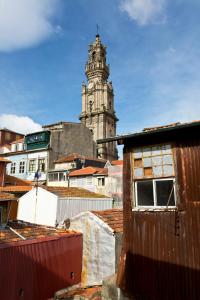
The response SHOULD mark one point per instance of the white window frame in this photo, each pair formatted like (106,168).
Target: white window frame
(13,168)
(34,165)
(40,165)
(22,165)
(137,206)
(101,180)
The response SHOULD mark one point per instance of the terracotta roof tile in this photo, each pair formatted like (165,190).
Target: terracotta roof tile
(103,171)
(6,196)
(67,192)
(2,159)
(85,171)
(117,162)
(12,180)
(18,141)
(16,188)
(112,217)
(73,156)
(30,231)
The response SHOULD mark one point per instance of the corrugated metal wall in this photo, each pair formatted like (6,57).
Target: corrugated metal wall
(68,208)
(188,171)
(35,270)
(162,248)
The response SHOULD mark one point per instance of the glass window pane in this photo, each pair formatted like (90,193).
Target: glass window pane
(156,150)
(147,162)
(61,177)
(168,170)
(146,152)
(157,160)
(167,160)
(164,191)
(145,193)
(138,172)
(137,153)
(50,177)
(166,149)
(157,171)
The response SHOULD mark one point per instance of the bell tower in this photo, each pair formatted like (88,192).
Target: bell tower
(98,100)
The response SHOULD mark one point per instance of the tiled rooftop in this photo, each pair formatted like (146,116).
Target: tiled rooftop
(112,217)
(2,159)
(6,196)
(67,192)
(74,156)
(117,162)
(18,141)
(87,171)
(12,180)
(16,188)
(29,232)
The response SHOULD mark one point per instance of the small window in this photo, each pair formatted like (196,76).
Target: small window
(61,176)
(41,164)
(156,193)
(101,181)
(32,165)
(50,177)
(22,167)
(13,168)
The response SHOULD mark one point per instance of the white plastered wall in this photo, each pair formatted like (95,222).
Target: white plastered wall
(38,206)
(98,248)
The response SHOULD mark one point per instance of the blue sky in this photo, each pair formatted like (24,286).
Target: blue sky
(153,48)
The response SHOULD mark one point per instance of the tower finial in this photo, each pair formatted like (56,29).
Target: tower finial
(97,35)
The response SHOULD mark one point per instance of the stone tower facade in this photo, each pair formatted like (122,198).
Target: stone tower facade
(98,100)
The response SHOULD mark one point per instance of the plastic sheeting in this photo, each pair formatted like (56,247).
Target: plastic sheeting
(98,248)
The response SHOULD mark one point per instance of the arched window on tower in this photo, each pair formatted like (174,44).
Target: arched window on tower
(93,55)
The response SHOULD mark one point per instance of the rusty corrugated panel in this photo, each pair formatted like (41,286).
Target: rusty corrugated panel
(161,249)
(189,170)
(37,269)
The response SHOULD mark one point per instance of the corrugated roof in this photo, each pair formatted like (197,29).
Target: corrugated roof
(30,231)
(86,171)
(153,130)
(6,196)
(75,192)
(112,217)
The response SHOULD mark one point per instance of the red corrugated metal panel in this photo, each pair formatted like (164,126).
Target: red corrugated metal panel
(162,248)
(188,171)
(36,270)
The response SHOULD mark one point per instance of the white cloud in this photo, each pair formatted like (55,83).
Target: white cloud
(145,11)
(25,23)
(176,87)
(21,124)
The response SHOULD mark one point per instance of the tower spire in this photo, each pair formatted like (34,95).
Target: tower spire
(98,112)
(97,34)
